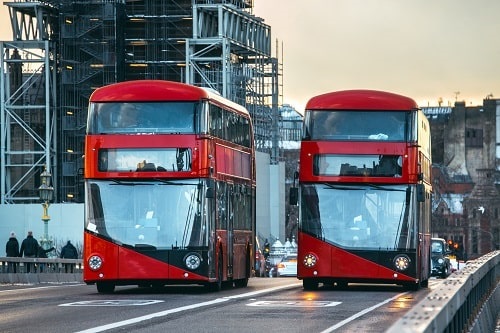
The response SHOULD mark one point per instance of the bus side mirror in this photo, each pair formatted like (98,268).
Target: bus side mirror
(294,196)
(420,193)
(210,194)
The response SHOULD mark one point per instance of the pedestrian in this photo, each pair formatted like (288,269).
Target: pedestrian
(12,250)
(42,253)
(29,247)
(69,252)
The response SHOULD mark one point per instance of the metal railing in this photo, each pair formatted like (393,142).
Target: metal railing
(467,301)
(40,270)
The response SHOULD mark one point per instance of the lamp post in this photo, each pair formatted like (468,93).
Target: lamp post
(46,193)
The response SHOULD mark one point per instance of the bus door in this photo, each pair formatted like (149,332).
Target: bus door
(209,213)
(423,232)
(225,224)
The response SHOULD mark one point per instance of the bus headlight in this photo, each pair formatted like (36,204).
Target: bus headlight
(95,262)
(309,260)
(192,261)
(402,262)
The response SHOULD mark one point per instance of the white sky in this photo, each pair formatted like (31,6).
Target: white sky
(425,49)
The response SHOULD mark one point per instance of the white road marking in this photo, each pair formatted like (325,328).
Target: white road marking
(294,304)
(361,313)
(115,302)
(180,309)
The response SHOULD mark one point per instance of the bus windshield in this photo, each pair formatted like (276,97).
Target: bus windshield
(160,214)
(360,216)
(356,125)
(140,117)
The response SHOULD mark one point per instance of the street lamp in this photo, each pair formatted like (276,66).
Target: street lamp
(46,193)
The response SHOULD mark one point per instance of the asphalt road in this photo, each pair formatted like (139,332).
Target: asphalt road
(266,305)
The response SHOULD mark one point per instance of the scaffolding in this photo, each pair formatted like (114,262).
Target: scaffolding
(91,55)
(230,52)
(89,44)
(28,105)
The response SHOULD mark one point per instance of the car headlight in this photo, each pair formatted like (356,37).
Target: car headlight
(95,262)
(402,262)
(309,260)
(440,260)
(192,261)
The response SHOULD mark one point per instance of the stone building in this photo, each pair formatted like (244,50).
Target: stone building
(465,175)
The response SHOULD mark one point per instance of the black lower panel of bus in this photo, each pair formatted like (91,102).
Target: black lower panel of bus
(386,259)
(177,257)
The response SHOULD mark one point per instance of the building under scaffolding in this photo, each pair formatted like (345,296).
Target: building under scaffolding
(63,50)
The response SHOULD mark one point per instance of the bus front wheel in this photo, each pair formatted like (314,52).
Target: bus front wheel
(309,284)
(412,286)
(105,287)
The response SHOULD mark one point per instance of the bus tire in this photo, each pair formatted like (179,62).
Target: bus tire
(105,287)
(241,283)
(309,284)
(412,286)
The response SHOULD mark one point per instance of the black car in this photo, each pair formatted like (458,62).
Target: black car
(440,262)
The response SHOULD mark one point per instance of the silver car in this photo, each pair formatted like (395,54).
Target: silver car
(288,266)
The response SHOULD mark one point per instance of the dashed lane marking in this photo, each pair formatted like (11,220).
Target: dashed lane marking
(294,304)
(115,302)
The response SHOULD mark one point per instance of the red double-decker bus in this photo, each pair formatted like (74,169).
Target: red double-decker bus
(364,191)
(169,187)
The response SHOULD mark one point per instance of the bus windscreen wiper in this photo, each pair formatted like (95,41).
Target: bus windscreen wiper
(128,183)
(342,187)
(383,188)
(168,182)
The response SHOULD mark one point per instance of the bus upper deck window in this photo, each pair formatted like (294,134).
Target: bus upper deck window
(203,111)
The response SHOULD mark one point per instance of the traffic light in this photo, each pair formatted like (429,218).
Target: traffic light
(267,250)
(457,249)
(451,247)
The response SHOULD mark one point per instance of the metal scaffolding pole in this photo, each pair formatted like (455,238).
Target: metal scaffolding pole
(28,101)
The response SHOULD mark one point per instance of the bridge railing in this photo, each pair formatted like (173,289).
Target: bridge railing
(467,301)
(39,270)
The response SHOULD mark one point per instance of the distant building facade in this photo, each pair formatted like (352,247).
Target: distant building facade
(290,135)
(466,204)
(290,127)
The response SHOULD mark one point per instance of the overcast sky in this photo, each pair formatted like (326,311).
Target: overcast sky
(425,49)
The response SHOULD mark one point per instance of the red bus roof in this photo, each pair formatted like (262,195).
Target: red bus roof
(158,91)
(361,100)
